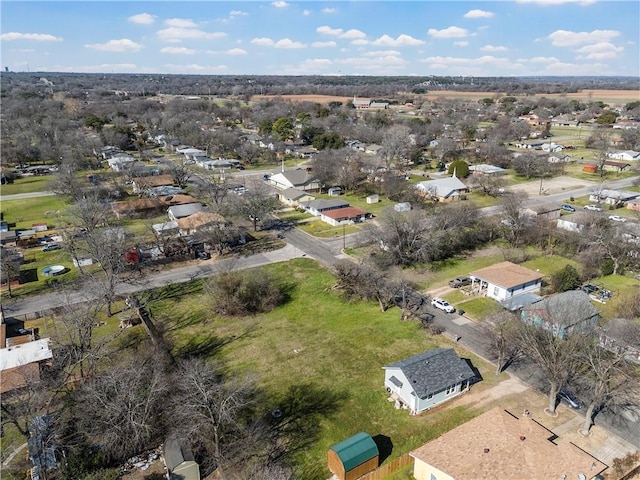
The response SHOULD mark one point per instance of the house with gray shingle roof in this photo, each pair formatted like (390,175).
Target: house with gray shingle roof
(443,189)
(298,178)
(423,381)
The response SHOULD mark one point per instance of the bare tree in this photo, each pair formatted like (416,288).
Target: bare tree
(601,142)
(367,283)
(256,203)
(501,329)
(10,263)
(74,337)
(488,184)
(181,172)
(209,411)
(395,145)
(120,407)
(515,224)
(608,381)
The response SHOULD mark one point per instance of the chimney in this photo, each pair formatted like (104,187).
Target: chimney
(486,450)
(522,438)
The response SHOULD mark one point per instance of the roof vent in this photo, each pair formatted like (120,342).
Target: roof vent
(486,450)
(522,438)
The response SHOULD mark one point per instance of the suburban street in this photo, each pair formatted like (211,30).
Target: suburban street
(326,251)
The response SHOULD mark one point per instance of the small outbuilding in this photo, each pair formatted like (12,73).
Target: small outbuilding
(353,457)
(373,198)
(179,460)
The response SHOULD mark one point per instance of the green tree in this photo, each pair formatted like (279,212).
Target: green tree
(328,140)
(460,167)
(265,126)
(607,118)
(566,279)
(283,129)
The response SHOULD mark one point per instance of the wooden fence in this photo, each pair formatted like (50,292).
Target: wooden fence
(387,469)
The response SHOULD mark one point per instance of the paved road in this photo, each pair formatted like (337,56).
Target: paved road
(22,196)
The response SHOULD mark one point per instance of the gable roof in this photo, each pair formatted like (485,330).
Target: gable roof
(180,211)
(199,219)
(323,204)
(356,450)
(294,177)
(566,308)
(346,212)
(293,194)
(507,275)
(442,187)
(498,444)
(434,370)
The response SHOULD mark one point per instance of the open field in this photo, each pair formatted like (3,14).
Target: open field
(612,97)
(331,350)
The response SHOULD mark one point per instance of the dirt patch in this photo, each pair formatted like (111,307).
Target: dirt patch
(324,99)
(607,96)
(552,185)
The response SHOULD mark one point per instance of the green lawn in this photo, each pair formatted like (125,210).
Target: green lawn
(332,349)
(27,185)
(24,213)
(358,199)
(480,308)
(320,229)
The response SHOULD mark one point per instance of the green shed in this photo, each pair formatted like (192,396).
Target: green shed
(353,457)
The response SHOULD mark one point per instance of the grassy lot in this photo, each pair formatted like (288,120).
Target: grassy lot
(358,199)
(27,185)
(28,211)
(294,216)
(333,350)
(550,264)
(320,229)
(479,308)
(621,287)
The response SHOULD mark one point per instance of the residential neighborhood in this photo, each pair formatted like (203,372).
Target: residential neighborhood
(358,286)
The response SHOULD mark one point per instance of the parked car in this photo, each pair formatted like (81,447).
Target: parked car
(567,207)
(617,218)
(266,177)
(569,398)
(51,246)
(589,288)
(459,282)
(593,208)
(443,305)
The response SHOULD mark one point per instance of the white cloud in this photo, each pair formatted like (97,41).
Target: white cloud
(327,30)
(566,38)
(541,60)
(262,41)
(360,41)
(460,43)
(195,68)
(177,34)
(561,69)
(142,19)
(121,45)
(288,43)
(493,48)
(237,13)
(38,37)
(323,44)
(317,62)
(306,13)
(353,33)
(471,66)
(236,51)
(478,14)
(22,50)
(329,10)
(180,23)
(557,2)
(599,51)
(449,32)
(102,68)
(381,53)
(383,63)
(280,4)
(402,41)
(177,50)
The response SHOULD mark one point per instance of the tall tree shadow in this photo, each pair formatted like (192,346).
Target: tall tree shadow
(294,421)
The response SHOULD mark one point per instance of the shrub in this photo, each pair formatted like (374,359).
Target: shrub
(566,279)
(246,293)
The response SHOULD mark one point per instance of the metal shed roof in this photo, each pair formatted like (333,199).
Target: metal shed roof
(356,450)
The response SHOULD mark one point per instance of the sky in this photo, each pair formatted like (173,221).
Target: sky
(286,37)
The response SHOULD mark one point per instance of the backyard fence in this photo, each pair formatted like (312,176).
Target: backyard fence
(387,469)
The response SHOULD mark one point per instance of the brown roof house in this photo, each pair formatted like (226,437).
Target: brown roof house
(500,445)
(505,280)
(344,215)
(198,222)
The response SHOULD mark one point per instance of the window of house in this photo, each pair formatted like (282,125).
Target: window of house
(430,396)
(495,291)
(433,477)
(450,390)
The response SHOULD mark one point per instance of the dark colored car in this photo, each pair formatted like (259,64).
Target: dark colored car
(459,282)
(567,207)
(569,398)
(589,289)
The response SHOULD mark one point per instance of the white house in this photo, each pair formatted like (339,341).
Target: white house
(613,197)
(423,381)
(292,197)
(443,189)
(505,280)
(299,179)
(318,207)
(627,155)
